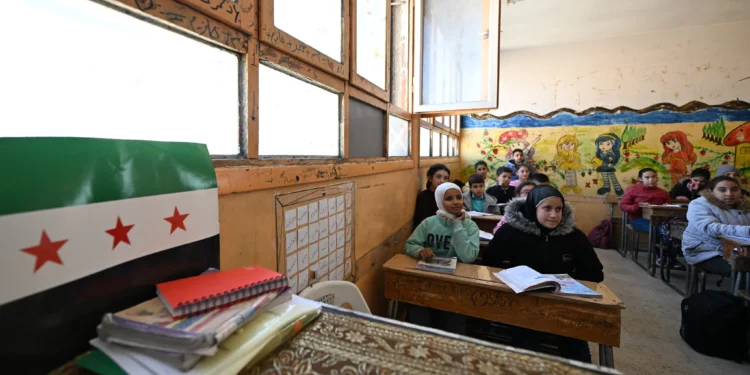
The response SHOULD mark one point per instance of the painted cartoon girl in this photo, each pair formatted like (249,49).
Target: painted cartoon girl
(607,157)
(679,154)
(569,160)
(517,139)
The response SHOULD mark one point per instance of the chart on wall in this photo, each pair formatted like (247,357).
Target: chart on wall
(315,233)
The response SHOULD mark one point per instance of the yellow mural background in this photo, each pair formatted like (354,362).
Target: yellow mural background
(484,144)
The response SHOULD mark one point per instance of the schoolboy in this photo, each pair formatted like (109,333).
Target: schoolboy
(502,192)
(476,199)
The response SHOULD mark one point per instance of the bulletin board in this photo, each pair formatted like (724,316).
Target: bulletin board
(315,233)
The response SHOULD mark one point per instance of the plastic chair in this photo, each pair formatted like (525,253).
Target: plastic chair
(337,293)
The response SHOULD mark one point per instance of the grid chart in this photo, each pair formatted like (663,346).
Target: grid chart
(315,233)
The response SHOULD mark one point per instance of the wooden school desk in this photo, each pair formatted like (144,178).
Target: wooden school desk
(655,216)
(740,262)
(487,223)
(475,291)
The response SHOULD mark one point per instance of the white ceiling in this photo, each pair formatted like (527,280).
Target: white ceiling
(535,23)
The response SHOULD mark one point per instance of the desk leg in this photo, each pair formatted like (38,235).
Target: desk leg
(650,264)
(606,356)
(393,309)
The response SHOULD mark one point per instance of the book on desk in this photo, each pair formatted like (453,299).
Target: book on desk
(437,264)
(524,279)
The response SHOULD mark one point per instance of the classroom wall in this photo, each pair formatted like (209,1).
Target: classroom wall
(383,205)
(707,64)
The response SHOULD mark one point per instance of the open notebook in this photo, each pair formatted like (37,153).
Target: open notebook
(524,279)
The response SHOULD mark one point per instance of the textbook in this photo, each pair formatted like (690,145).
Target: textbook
(436,264)
(485,235)
(524,279)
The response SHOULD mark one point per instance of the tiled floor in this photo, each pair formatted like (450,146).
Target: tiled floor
(650,339)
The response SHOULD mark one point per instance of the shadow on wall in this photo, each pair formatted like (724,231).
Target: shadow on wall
(599,151)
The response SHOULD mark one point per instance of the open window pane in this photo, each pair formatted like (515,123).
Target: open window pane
(371,40)
(457,55)
(435,144)
(281,132)
(106,74)
(443,145)
(317,23)
(398,136)
(400,54)
(366,130)
(450,146)
(424,142)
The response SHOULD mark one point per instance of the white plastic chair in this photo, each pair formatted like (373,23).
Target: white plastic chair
(337,293)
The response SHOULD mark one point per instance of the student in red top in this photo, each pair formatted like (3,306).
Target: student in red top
(645,192)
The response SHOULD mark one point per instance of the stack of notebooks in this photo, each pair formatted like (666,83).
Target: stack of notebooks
(205,324)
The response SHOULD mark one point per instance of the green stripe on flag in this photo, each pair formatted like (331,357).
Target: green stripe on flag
(45,173)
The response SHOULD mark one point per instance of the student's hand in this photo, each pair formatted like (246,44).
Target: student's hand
(693,186)
(643,204)
(682,198)
(460,217)
(426,254)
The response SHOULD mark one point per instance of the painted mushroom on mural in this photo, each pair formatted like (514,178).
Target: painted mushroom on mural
(740,139)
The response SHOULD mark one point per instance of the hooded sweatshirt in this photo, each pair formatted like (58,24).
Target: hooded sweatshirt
(708,218)
(522,241)
(444,234)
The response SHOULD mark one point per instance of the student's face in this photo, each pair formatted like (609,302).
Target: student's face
(477,189)
(728,192)
(649,179)
(700,182)
(674,145)
(503,179)
(453,202)
(733,175)
(518,157)
(549,212)
(525,191)
(439,178)
(482,170)
(605,146)
(523,173)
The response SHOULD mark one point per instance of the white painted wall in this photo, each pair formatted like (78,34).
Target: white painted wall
(704,63)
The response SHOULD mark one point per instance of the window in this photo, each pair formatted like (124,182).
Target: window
(371,40)
(399,140)
(324,34)
(400,82)
(97,84)
(451,142)
(443,145)
(424,142)
(281,132)
(435,144)
(367,130)
(457,45)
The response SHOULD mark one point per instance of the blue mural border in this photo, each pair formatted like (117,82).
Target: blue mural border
(602,118)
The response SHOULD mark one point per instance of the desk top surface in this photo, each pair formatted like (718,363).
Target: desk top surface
(738,241)
(482,276)
(488,217)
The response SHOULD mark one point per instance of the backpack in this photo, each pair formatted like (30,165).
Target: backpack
(715,323)
(602,235)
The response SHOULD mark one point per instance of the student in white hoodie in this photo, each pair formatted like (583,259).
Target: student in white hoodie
(722,210)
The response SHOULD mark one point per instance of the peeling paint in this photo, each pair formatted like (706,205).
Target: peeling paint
(703,67)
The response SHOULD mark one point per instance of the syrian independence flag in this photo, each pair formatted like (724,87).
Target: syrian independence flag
(73,207)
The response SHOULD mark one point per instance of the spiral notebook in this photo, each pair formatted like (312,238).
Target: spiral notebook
(197,294)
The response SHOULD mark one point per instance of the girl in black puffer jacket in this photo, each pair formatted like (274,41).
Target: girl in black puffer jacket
(541,233)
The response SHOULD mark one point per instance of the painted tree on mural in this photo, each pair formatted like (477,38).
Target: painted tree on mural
(632,135)
(715,131)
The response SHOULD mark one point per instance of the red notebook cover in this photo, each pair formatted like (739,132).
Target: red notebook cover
(213,285)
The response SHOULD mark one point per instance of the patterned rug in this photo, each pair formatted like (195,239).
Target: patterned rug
(339,343)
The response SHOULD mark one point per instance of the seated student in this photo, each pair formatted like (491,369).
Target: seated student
(690,189)
(518,158)
(722,210)
(426,206)
(541,233)
(503,192)
(645,192)
(539,178)
(523,172)
(733,172)
(521,191)
(476,199)
(450,233)
(480,168)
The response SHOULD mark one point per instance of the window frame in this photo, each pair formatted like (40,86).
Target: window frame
(357,80)
(436,127)
(493,60)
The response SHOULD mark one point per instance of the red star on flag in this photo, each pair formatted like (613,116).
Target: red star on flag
(46,251)
(120,233)
(177,220)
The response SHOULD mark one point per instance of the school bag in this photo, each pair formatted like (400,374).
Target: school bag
(715,323)
(602,235)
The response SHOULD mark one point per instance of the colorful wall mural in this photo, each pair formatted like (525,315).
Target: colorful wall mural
(599,152)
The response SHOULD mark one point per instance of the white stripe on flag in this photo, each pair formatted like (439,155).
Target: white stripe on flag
(89,247)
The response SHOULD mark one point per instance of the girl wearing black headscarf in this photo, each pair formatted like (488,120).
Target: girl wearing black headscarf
(541,233)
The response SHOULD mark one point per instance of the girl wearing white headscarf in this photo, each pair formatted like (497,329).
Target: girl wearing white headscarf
(450,233)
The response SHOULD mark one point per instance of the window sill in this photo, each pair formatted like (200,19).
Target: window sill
(428,161)
(260,175)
